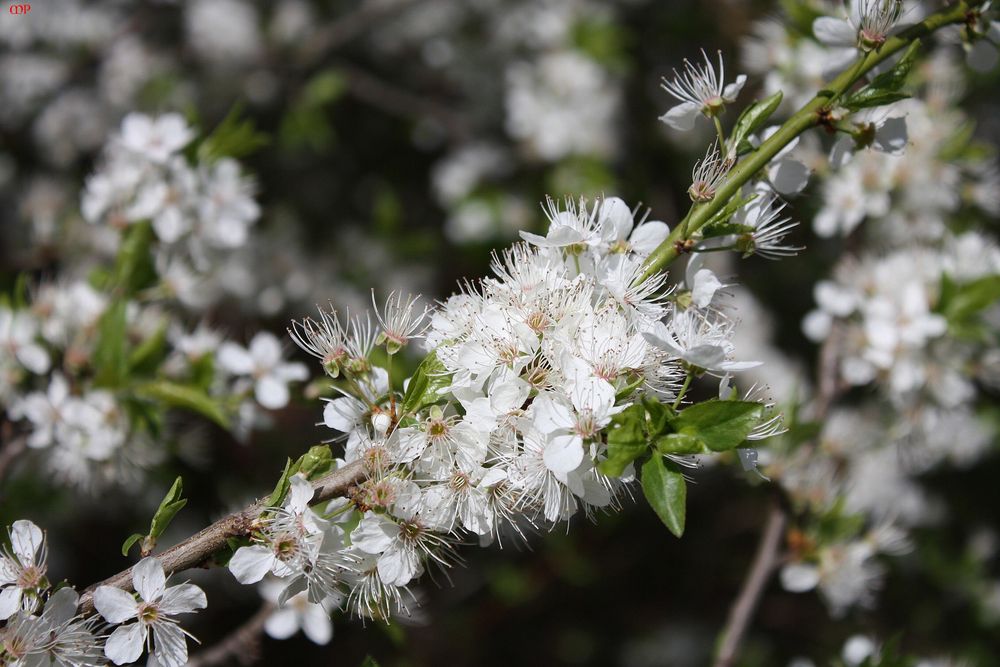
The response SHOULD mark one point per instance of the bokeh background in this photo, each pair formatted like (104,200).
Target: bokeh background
(406,140)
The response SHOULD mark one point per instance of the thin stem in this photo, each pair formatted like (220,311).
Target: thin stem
(683,391)
(764,563)
(805,118)
(719,132)
(198,550)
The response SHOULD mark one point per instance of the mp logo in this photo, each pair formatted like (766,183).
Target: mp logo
(22,8)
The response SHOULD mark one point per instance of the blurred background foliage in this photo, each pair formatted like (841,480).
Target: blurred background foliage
(392,161)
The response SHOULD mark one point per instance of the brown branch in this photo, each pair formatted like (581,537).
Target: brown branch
(348,26)
(241,645)
(197,550)
(764,563)
(11,451)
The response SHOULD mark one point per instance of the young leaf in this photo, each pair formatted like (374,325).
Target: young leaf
(168,509)
(281,488)
(424,389)
(110,356)
(665,490)
(965,301)
(627,440)
(146,357)
(752,118)
(680,444)
(183,396)
(130,542)
(234,137)
(134,267)
(316,462)
(884,88)
(721,425)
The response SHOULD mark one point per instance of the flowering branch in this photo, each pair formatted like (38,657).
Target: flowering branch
(196,550)
(808,116)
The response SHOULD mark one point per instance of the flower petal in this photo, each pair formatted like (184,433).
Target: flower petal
(125,643)
(114,604)
(682,117)
(834,32)
(169,645)
(183,599)
(25,539)
(282,624)
(316,624)
(563,453)
(250,564)
(271,392)
(149,579)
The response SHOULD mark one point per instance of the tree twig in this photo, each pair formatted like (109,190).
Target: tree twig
(198,549)
(764,563)
(10,452)
(241,645)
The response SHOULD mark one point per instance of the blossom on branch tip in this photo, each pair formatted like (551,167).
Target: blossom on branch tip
(701,91)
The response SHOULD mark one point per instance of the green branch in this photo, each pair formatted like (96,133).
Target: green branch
(806,117)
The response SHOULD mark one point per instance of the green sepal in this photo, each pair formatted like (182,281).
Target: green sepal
(720,425)
(424,388)
(724,214)
(184,396)
(281,488)
(666,492)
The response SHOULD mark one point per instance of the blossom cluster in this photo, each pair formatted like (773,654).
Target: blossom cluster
(503,427)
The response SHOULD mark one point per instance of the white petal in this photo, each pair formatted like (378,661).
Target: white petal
(789,177)
(234,359)
(25,538)
(250,564)
(343,414)
(265,350)
(374,534)
(730,92)
(316,624)
(271,392)
(706,284)
(125,644)
(891,137)
(647,236)
(169,645)
(10,602)
(282,624)
(148,578)
(300,493)
(563,453)
(799,577)
(682,117)
(183,599)
(34,358)
(841,152)
(834,32)
(114,604)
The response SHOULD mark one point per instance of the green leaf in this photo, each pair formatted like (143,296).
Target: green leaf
(726,229)
(134,267)
(110,358)
(884,88)
(752,118)
(281,488)
(658,416)
(872,97)
(627,440)
(184,396)
(233,137)
(721,425)
(725,213)
(130,542)
(168,509)
(958,302)
(315,463)
(424,388)
(369,662)
(680,444)
(666,492)
(148,355)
